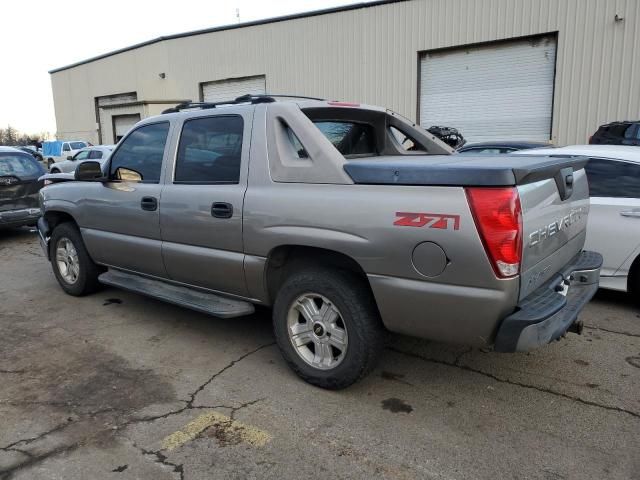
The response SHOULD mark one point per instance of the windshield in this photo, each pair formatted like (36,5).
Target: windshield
(77,145)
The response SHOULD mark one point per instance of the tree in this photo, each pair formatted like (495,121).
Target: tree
(10,136)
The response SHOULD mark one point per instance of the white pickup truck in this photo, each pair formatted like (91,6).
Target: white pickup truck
(59,150)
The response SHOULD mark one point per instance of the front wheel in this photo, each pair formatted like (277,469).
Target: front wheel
(327,327)
(76,273)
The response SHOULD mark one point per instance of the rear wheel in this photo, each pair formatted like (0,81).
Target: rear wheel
(55,170)
(327,327)
(633,281)
(76,273)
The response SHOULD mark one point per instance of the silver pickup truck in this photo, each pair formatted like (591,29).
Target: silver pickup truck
(346,219)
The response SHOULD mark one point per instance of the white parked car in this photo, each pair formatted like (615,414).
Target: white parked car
(98,153)
(613,227)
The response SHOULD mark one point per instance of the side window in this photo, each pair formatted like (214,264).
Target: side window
(95,154)
(611,178)
(65,147)
(210,150)
(82,155)
(139,156)
(296,144)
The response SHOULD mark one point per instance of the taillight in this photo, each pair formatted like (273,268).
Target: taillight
(498,216)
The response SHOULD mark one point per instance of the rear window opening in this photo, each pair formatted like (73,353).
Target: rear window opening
(361,133)
(350,138)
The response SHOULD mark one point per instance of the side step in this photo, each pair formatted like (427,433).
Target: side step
(185,297)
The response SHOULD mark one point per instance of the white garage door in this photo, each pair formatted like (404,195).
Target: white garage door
(122,124)
(495,92)
(229,89)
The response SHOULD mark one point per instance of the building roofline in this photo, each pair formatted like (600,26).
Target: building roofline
(284,18)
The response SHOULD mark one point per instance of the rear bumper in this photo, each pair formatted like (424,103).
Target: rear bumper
(547,313)
(18,218)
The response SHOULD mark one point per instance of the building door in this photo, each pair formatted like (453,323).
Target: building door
(223,90)
(102,116)
(122,124)
(500,91)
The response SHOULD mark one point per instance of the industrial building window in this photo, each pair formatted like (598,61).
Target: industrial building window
(210,150)
(139,157)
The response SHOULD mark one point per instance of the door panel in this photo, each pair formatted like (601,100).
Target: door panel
(201,207)
(124,230)
(612,234)
(198,248)
(122,234)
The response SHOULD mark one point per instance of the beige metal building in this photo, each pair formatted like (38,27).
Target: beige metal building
(496,69)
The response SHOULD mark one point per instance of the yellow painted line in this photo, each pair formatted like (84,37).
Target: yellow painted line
(231,428)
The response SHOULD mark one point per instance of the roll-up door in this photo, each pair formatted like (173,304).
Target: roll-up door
(122,124)
(500,91)
(222,90)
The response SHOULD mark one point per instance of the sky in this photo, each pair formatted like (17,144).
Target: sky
(37,36)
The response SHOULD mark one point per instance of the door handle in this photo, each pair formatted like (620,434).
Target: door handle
(631,213)
(221,210)
(149,203)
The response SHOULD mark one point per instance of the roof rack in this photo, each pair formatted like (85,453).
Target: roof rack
(248,98)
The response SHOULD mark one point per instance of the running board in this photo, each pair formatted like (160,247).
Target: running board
(185,297)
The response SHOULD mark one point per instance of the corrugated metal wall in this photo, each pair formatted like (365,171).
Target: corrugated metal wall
(371,55)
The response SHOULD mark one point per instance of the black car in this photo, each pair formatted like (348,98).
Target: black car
(19,187)
(500,147)
(37,155)
(617,133)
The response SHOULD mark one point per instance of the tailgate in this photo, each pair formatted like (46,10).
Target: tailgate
(554,217)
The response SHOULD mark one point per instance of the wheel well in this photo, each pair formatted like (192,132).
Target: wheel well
(633,282)
(285,259)
(56,218)
(55,170)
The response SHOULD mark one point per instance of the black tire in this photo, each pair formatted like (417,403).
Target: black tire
(633,281)
(88,271)
(359,313)
(50,162)
(55,170)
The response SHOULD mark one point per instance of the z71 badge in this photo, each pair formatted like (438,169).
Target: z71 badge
(442,221)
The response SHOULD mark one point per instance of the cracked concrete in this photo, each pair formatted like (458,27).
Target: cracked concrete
(91,386)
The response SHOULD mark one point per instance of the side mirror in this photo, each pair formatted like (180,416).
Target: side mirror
(69,157)
(90,171)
